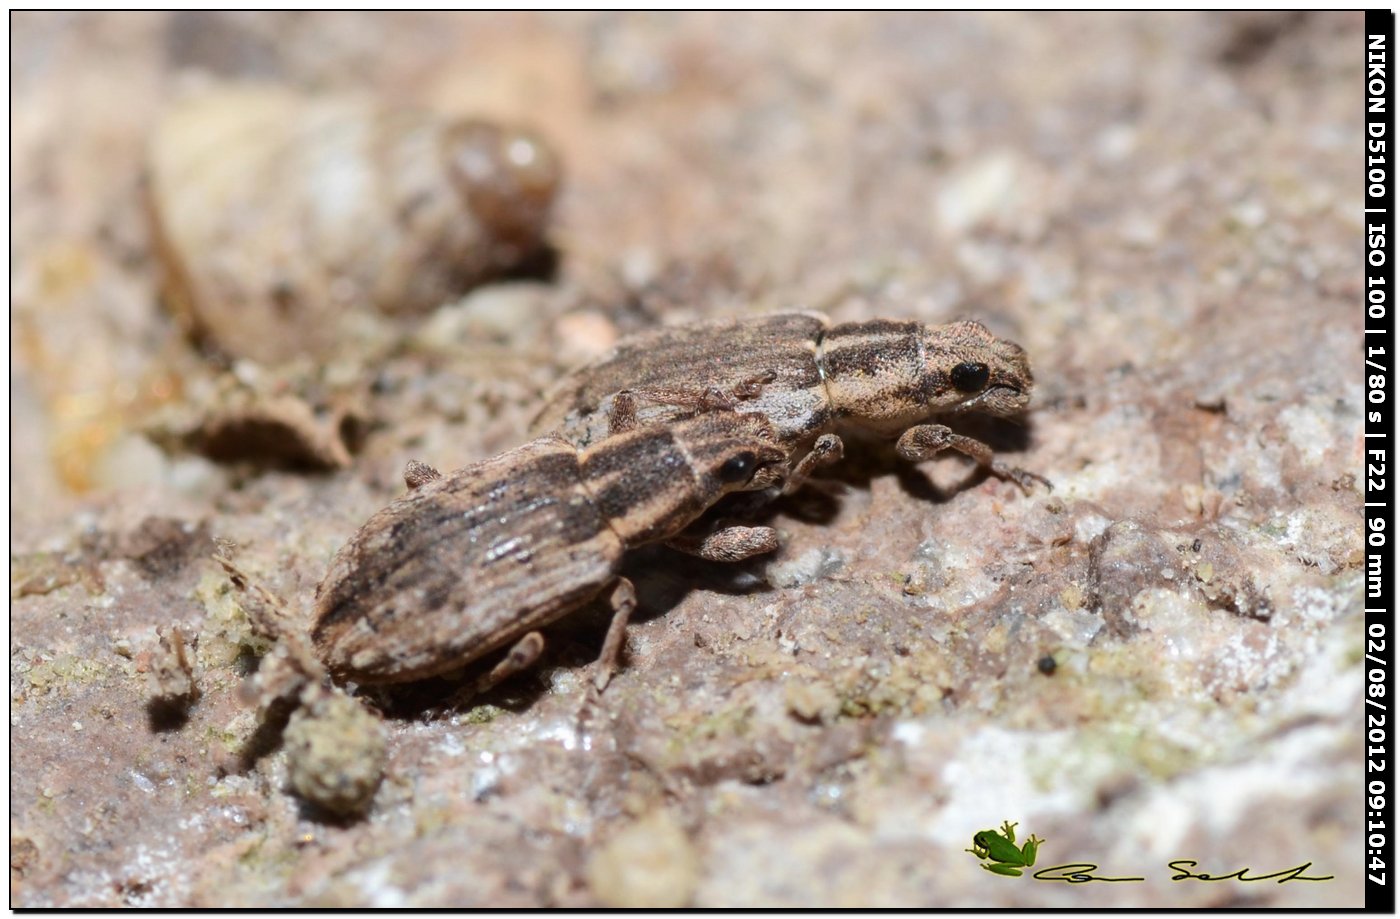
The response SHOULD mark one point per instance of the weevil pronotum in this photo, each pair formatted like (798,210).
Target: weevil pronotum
(810,379)
(483,557)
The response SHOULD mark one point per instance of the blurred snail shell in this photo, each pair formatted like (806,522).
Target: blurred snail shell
(285,224)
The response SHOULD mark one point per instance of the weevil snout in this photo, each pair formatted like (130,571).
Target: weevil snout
(980,372)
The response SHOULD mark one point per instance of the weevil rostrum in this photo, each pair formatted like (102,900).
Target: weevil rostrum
(481,558)
(810,379)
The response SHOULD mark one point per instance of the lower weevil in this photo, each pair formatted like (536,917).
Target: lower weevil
(483,557)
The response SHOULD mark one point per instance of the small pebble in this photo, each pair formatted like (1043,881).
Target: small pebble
(336,754)
(650,864)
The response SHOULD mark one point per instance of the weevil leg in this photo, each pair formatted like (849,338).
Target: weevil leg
(271,618)
(727,544)
(623,416)
(928,440)
(827,449)
(624,600)
(521,656)
(291,667)
(417,474)
(752,387)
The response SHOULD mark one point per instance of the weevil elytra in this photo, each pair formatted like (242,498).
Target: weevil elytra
(482,557)
(810,379)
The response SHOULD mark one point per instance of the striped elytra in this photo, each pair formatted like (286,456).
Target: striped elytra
(470,561)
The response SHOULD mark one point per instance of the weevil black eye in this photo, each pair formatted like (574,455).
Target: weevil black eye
(970,376)
(738,468)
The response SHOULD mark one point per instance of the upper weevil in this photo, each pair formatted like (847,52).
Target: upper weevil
(809,378)
(483,557)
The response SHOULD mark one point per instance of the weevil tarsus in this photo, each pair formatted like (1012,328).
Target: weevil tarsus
(826,450)
(926,441)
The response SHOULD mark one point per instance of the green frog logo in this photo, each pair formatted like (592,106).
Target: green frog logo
(1001,852)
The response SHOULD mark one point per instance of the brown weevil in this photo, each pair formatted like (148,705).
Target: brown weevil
(483,557)
(810,379)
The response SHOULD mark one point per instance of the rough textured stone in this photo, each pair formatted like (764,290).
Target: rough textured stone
(1166,218)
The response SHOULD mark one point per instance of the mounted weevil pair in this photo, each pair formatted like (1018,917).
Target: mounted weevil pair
(634,449)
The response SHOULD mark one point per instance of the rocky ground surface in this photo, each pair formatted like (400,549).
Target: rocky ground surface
(1160,659)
